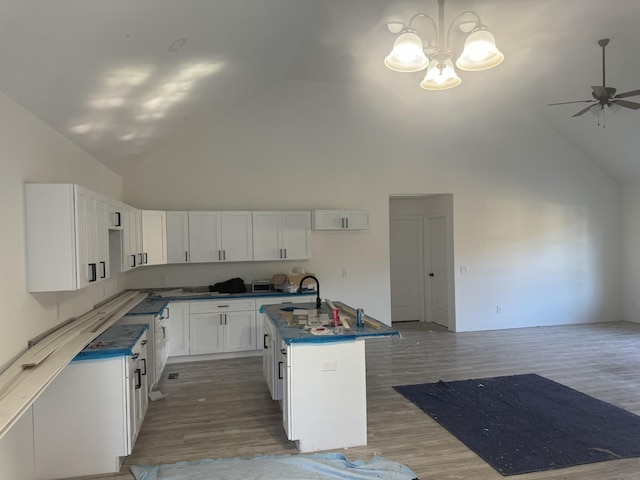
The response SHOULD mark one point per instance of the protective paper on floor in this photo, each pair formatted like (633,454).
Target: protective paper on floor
(282,467)
(528,423)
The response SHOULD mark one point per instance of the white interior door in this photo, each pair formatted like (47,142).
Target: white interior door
(438,274)
(407,279)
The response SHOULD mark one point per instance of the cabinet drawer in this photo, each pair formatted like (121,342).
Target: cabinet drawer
(221,306)
(137,348)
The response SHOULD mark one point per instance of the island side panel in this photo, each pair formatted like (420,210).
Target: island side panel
(326,395)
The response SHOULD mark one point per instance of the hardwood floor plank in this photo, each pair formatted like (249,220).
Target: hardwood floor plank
(219,409)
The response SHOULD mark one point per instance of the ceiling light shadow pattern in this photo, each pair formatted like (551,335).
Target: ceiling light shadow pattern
(133,95)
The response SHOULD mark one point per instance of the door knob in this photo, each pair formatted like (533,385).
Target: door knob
(431,274)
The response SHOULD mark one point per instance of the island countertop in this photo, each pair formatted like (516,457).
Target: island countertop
(297,333)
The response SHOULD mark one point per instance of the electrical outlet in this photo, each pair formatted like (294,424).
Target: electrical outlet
(464,269)
(345,273)
(498,308)
(164,279)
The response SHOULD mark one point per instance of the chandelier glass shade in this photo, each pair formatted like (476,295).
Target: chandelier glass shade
(408,54)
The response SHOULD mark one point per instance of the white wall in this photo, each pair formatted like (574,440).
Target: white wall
(537,223)
(32,152)
(631,252)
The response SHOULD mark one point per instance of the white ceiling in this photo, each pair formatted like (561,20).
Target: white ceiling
(103,73)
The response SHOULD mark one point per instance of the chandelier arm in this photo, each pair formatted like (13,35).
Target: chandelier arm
(426,17)
(455,21)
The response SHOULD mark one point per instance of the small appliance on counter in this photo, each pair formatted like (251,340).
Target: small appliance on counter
(261,286)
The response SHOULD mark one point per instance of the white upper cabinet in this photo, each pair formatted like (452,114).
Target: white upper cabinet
(177,237)
(154,237)
(115,214)
(281,235)
(341,219)
(102,231)
(66,237)
(220,237)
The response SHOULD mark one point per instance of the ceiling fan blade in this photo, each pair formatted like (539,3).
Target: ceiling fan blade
(577,101)
(583,111)
(627,104)
(627,94)
(601,93)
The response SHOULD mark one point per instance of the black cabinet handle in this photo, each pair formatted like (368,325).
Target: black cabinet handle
(93,273)
(347,220)
(145,258)
(186,256)
(140,256)
(285,252)
(280,371)
(139,378)
(144,362)
(133,263)
(104,269)
(118,219)
(264,340)
(431,274)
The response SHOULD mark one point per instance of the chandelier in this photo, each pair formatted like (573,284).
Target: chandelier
(410,54)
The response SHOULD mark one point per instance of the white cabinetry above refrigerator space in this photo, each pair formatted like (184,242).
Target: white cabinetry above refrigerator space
(341,219)
(67,237)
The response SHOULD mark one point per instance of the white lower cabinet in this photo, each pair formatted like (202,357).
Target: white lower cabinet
(269,341)
(157,337)
(177,325)
(217,326)
(89,417)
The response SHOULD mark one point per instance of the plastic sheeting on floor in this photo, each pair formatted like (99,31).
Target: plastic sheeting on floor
(281,467)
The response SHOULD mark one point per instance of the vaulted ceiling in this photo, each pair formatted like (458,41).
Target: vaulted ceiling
(121,77)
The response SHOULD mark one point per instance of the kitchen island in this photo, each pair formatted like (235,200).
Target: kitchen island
(322,373)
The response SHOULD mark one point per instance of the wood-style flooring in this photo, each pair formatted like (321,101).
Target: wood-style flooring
(218,409)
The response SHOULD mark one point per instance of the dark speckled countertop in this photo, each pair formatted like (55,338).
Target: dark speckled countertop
(154,304)
(116,341)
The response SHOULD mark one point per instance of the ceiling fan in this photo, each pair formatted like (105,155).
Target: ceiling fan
(605,96)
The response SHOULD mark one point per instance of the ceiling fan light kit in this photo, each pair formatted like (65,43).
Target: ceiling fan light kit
(604,96)
(410,55)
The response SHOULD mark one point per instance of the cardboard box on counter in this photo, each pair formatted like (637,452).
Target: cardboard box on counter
(284,282)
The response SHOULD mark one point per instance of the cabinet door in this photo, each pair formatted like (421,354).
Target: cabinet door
(296,235)
(177,237)
(327,220)
(154,237)
(357,219)
(268,355)
(129,257)
(236,236)
(239,331)
(267,236)
(206,333)
(114,221)
(204,237)
(85,271)
(103,238)
(177,324)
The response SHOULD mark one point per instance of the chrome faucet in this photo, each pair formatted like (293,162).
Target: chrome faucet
(318,299)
